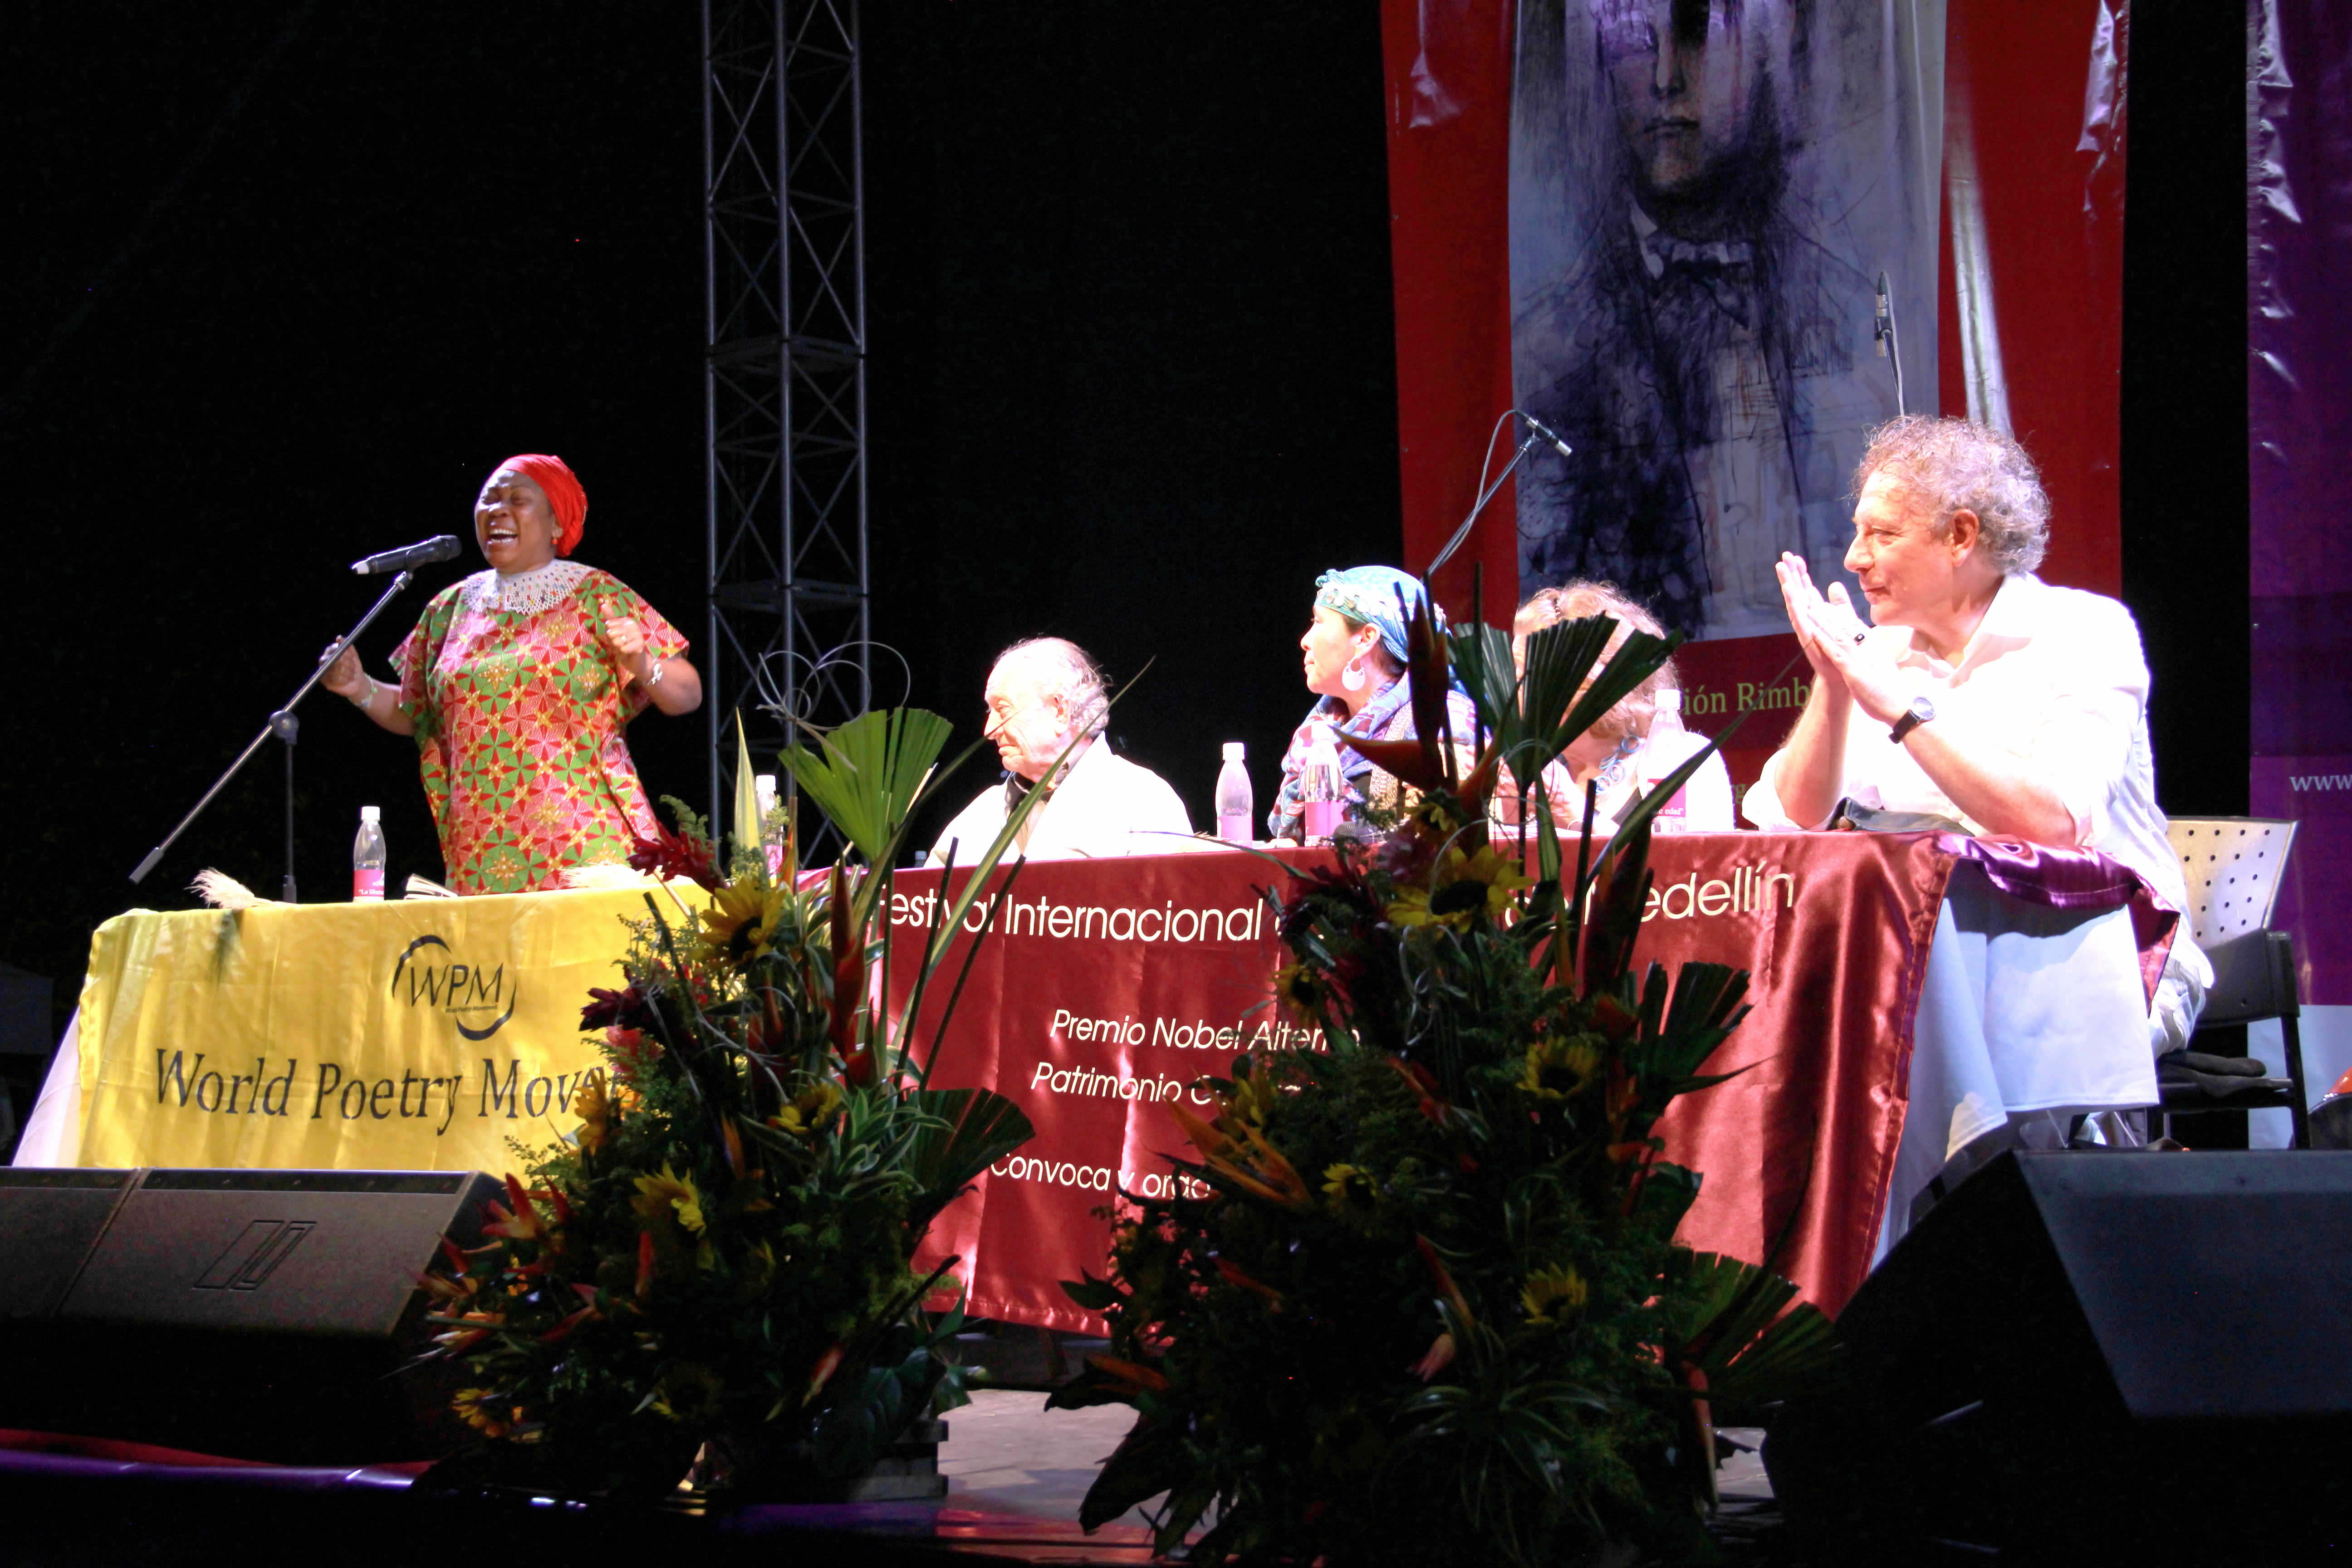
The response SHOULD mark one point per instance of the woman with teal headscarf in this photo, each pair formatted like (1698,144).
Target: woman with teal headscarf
(1355,659)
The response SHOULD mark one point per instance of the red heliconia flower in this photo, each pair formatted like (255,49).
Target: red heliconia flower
(666,855)
(626,1009)
(1436,1359)
(632,1052)
(1234,1274)
(644,1264)
(826,1365)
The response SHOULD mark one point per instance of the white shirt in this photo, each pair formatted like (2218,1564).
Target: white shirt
(1105,806)
(2058,675)
(1707,798)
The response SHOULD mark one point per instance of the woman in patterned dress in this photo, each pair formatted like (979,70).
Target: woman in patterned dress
(516,683)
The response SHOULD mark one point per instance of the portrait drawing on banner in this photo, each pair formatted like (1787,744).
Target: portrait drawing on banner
(1703,195)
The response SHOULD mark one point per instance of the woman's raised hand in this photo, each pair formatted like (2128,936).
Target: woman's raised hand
(625,638)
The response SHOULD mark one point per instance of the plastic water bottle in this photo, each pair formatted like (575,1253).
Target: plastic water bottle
(1234,807)
(1320,785)
(367,857)
(1662,755)
(771,839)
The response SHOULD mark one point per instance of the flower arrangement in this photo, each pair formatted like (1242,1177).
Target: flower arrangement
(1423,1302)
(719,1260)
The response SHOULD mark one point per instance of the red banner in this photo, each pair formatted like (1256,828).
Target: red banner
(1107,989)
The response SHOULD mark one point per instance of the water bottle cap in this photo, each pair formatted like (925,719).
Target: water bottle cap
(1670,700)
(1233,750)
(371,814)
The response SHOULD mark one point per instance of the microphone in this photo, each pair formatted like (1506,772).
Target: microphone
(443,547)
(1547,432)
(1882,326)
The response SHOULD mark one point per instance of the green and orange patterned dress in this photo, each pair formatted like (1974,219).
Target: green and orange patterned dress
(518,709)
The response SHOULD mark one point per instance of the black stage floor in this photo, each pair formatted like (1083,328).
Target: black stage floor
(1016,1474)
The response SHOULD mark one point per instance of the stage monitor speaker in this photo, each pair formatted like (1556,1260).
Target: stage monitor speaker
(50,1220)
(257,1314)
(2092,1357)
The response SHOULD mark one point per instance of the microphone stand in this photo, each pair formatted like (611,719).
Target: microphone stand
(1890,346)
(285,726)
(1527,444)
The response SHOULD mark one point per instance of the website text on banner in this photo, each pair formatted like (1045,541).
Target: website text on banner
(416,1034)
(2299,398)
(1107,989)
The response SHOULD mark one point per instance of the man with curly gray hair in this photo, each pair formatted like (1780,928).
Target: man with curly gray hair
(1977,693)
(1047,704)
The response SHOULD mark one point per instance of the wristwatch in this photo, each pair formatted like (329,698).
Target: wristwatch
(1921,711)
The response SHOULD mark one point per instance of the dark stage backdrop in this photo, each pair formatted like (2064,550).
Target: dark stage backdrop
(277,284)
(1131,380)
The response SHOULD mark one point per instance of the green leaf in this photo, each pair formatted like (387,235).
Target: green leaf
(1095,1295)
(1790,1354)
(747,795)
(1148,1461)
(965,1131)
(1667,1193)
(867,774)
(1731,1326)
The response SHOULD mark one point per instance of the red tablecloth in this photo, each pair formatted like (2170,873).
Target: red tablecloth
(1109,987)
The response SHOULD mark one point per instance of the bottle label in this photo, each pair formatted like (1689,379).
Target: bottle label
(367,883)
(1675,816)
(1234,826)
(1322,819)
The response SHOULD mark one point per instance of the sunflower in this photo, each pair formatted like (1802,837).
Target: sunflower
(596,1109)
(489,1413)
(741,924)
(810,1112)
(668,1195)
(691,1392)
(1346,1186)
(1561,1069)
(1462,888)
(1553,1296)
(1300,990)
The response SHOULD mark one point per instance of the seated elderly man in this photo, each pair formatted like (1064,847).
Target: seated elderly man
(1978,692)
(1044,697)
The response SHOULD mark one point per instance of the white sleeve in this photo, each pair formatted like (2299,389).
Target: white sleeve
(973,830)
(1761,803)
(1158,812)
(2081,742)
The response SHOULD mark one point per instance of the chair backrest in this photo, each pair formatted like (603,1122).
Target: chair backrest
(2233,865)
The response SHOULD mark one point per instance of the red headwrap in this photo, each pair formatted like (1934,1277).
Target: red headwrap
(553,476)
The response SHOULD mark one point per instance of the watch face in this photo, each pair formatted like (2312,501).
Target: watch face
(1922,709)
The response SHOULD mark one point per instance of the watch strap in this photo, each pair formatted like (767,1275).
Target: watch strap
(1921,712)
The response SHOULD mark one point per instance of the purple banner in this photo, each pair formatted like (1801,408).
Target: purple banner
(2299,370)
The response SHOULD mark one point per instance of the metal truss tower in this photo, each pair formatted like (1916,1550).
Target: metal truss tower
(784,381)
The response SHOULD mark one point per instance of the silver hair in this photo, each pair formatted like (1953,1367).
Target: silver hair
(1958,464)
(1581,599)
(1059,668)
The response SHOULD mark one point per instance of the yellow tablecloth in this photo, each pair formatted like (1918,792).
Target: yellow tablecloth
(410,1035)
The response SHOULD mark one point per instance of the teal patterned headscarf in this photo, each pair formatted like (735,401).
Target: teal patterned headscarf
(1368,596)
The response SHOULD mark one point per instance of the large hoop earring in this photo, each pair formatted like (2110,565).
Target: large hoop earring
(1353,677)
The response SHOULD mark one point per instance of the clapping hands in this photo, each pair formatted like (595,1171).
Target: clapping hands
(1837,642)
